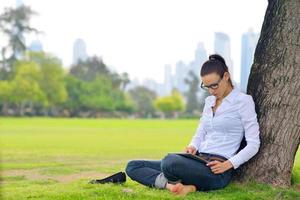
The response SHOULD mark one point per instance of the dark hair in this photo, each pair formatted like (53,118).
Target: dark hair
(215,64)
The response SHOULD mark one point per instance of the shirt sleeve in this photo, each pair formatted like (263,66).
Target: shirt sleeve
(200,132)
(251,128)
(198,136)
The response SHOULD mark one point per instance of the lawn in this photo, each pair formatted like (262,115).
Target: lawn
(43,158)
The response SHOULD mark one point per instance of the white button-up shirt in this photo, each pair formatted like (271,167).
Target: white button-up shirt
(223,132)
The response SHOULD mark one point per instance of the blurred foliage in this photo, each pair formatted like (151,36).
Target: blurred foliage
(26,89)
(40,86)
(94,66)
(192,100)
(170,105)
(143,100)
(14,24)
(52,77)
(35,83)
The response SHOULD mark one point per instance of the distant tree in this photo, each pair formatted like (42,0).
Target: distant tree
(122,101)
(89,69)
(192,104)
(143,99)
(170,105)
(52,78)
(98,95)
(14,23)
(95,96)
(96,87)
(25,86)
(74,87)
(126,103)
(5,95)
(124,80)
(178,101)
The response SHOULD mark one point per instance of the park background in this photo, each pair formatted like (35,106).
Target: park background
(85,87)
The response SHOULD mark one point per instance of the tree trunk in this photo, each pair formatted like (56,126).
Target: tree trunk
(5,108)
(20,109)
(274,83)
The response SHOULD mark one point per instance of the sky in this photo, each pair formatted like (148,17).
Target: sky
(142,36)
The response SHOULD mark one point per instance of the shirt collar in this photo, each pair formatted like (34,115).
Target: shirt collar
(230,97)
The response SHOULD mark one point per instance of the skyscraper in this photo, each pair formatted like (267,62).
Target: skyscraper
(168,80)
(181,72)
(19,3)
(249,41)
(79,51)
(222,47)
(200,57)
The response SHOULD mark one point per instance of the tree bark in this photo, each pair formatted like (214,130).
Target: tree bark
(274,83)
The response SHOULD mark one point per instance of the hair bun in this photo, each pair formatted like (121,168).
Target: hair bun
(217,57)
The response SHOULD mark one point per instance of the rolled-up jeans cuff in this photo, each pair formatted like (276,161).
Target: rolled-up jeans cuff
(161,181)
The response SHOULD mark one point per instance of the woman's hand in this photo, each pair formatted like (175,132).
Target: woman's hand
(218,167)
(191,150)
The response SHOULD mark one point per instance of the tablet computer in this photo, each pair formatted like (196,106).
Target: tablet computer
(191,156)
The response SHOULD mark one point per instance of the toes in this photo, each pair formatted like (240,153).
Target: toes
(179,187)
(173,189)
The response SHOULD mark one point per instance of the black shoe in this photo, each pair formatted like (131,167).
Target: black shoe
(119,177)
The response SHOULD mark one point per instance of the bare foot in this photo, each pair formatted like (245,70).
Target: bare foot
(183,190)
(173,188)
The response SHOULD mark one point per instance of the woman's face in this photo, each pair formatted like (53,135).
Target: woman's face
(215,84)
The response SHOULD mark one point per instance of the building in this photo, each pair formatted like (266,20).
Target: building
(199,59)
(79,51)
(249,41)
(222,47)
(181,71)
(168,80)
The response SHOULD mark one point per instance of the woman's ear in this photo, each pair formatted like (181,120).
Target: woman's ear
(226,76)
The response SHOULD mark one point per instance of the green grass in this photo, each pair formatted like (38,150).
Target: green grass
(44,158)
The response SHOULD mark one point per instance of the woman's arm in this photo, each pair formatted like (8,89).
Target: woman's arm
(251,127)
(200,132)
(198,136)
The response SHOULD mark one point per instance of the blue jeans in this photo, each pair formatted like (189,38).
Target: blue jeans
(175,168)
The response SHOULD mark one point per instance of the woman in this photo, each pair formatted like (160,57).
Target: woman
(227,117)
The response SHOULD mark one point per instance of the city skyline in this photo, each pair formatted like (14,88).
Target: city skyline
(174,76)
(172,80)
(131,39)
